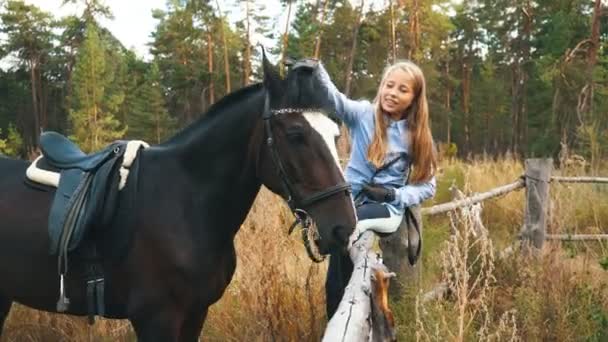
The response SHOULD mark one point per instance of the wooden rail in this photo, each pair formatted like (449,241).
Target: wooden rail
(536,180)
(579,179)
(468,201)
(577,237)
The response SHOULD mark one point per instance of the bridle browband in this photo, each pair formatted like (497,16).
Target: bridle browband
(295,202)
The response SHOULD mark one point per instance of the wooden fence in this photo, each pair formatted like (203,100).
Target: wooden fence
(536,180)
(352,322)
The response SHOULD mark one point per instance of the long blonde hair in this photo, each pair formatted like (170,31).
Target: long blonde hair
(422,151)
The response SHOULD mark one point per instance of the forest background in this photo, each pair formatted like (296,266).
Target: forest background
(507,80)
(503,75)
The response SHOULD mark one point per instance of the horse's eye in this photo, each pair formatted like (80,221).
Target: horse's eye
(295,134)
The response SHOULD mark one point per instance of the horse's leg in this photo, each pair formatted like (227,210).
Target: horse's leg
(5,308)
(157,324)
(191,329)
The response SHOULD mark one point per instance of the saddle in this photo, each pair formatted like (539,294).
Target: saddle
(83,190)
(87,192)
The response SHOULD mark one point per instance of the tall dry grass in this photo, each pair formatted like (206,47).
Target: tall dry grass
(557,295)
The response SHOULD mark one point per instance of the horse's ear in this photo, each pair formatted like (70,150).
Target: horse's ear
(272,79)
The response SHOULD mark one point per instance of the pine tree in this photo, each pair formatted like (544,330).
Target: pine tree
(93,123)
(29,35)
(149,120)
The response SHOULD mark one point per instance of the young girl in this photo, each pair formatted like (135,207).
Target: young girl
(392,161)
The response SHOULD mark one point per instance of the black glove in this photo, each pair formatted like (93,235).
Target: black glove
(379,193)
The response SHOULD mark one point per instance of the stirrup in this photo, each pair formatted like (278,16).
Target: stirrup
(64,302)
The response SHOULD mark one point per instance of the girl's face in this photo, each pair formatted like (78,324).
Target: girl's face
(397,93)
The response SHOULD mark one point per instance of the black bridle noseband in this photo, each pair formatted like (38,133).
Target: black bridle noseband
(296,202)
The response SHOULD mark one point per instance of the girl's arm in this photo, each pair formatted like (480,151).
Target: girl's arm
(346,109)
(414,194)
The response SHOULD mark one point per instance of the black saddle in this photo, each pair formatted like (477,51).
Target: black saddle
(62,153)
(87,190)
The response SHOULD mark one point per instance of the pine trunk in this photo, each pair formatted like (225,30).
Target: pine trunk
(586,95)
(223,34)
(466,95)
(246,62)
(393,39)
(285,39)
(448,106)
(320,31)
(36,115)
(210,68)
(414,29)
(353,50)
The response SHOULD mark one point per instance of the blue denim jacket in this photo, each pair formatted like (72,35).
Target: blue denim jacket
(359,118)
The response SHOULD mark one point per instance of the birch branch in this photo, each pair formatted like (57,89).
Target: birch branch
(579,179)
(365,297)
(445,207)
(577,237)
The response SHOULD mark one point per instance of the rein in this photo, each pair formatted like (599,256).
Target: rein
(295,202)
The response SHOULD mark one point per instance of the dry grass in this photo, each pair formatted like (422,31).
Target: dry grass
(559,295)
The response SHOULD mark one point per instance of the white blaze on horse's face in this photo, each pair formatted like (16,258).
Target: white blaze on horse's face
(328,129)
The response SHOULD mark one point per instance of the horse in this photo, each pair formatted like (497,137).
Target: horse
(168,252)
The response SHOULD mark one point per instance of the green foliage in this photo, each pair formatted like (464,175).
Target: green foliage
(12,145)
(148,118)
(96,97)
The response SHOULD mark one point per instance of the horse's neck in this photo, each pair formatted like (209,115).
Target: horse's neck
(216,152)
(223,138)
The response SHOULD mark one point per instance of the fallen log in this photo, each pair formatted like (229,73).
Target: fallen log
(363,314)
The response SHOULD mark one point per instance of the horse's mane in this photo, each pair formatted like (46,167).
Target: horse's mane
(229,100)
(214,111)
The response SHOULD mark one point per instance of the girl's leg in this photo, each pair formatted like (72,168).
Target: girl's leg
(377,217)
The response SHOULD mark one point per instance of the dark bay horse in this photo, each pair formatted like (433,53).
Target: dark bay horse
(193,192)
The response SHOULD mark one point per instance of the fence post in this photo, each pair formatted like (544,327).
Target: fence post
(538,175)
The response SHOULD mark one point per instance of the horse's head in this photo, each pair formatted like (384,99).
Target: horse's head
(298,159)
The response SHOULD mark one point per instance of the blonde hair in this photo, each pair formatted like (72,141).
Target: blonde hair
(422,152)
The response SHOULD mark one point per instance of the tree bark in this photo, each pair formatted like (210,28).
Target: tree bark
(210,68)
(363,311)
(585,104)
(448,105)
(520,80)
(538,176)
(223,34)
(393,41)
(36,114)
(353,50)
(285,38)
(317,51)
(414,29)
(247,63)
(466,95)
(468,201)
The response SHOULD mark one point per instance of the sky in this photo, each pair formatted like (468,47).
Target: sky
(133,22)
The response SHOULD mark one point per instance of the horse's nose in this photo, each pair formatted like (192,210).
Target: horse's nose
(341,235)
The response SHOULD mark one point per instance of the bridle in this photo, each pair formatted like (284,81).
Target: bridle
(296,202)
